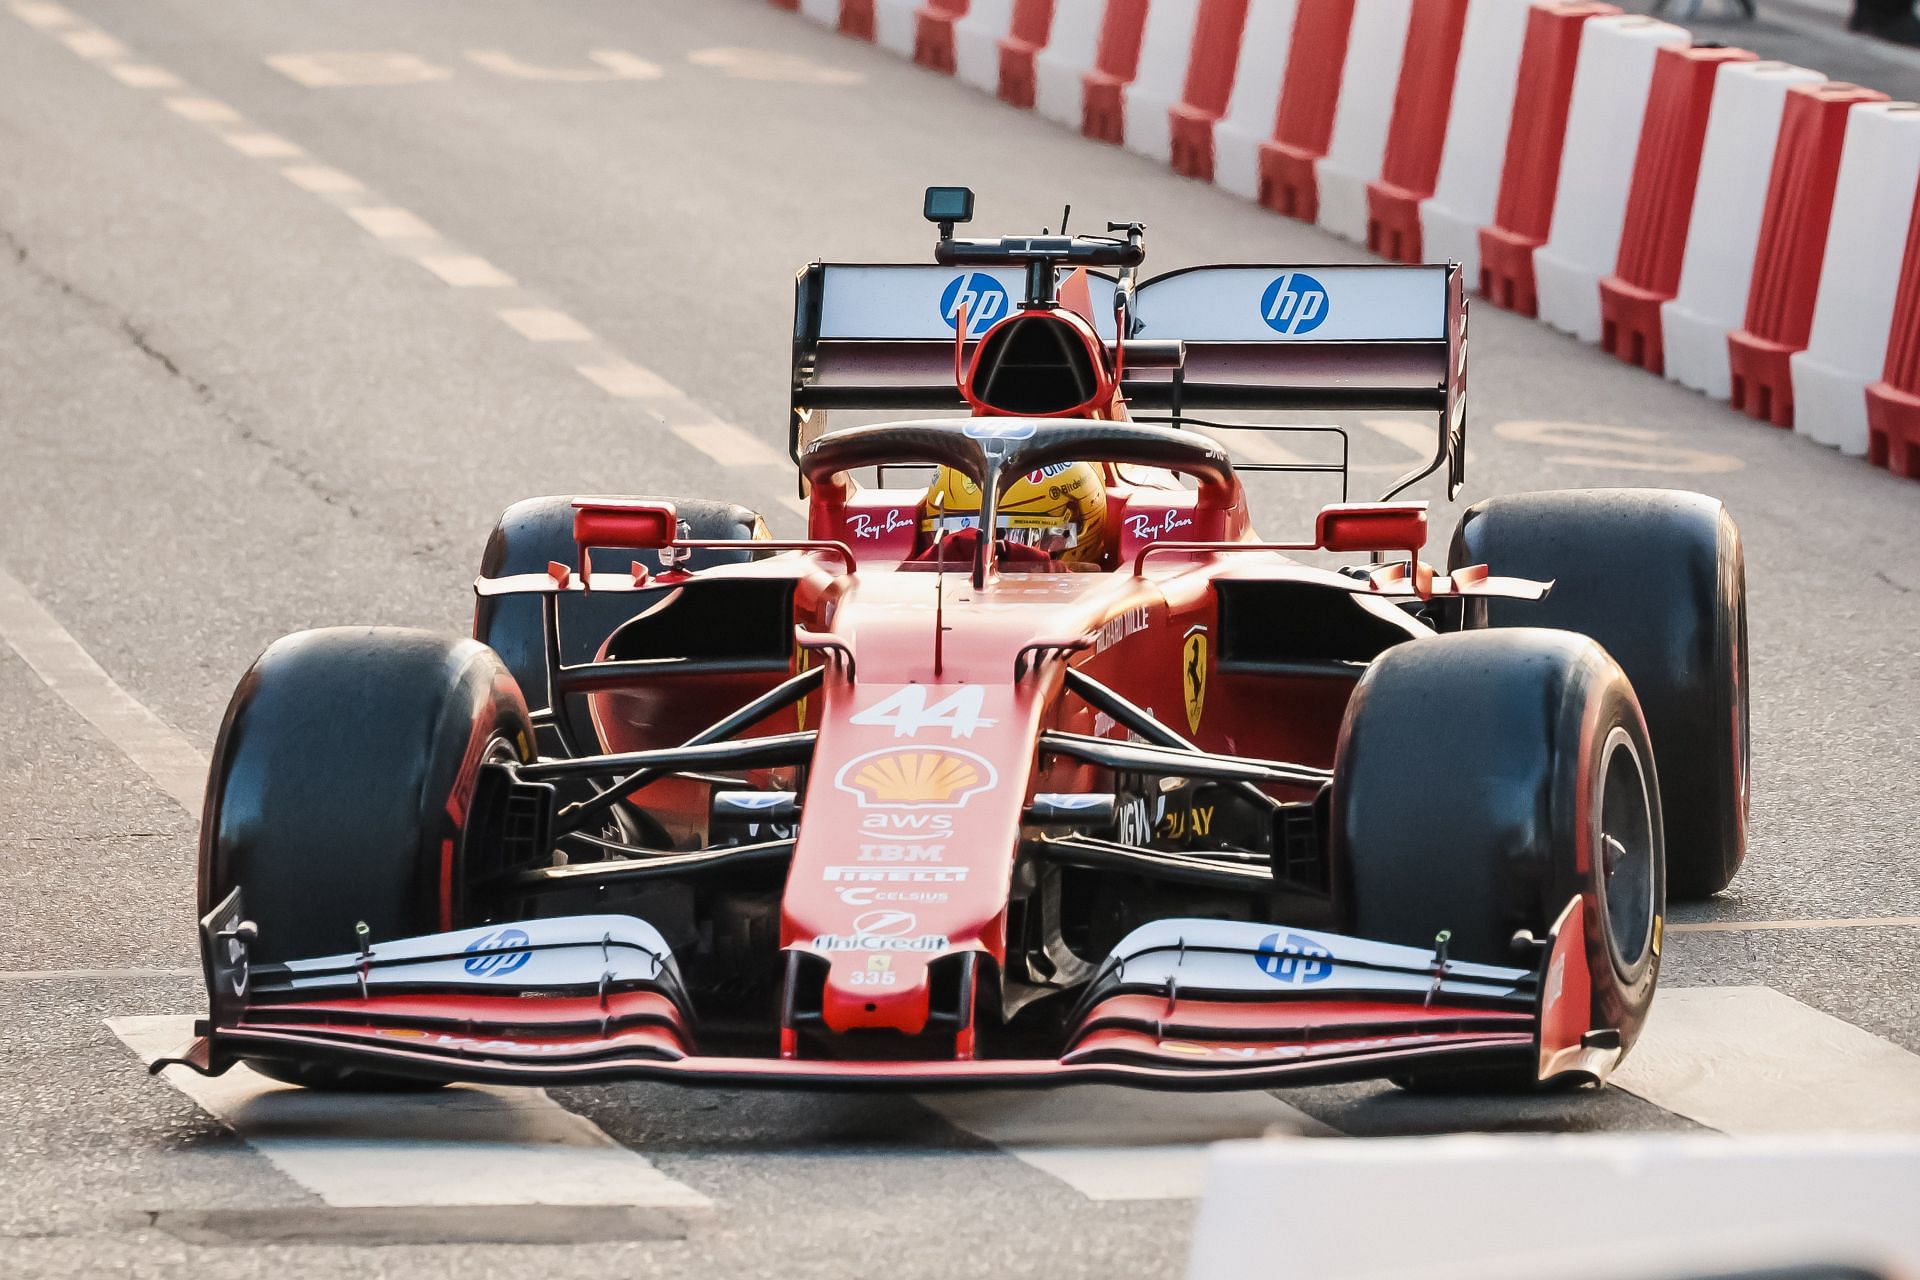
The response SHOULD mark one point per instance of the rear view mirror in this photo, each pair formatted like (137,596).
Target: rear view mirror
(1382,526)
(639,526)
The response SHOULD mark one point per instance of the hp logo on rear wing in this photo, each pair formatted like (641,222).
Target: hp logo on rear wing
(982,297)
(1295,303)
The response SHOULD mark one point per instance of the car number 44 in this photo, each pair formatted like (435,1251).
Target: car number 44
(907,711)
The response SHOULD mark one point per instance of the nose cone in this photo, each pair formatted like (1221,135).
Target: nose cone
(878,989)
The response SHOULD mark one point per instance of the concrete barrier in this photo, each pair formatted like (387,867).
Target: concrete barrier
(825,12)
(1873,203)
(1470,159)
(1893,403)
(1166,48)
(1254,106)
(1368,84)
(1422,106)
(1115,63)
(1316,62)
(1032,21)
(1660,202)
(933,34)
(1530,170)
(1729,197)
(1513,1207)
(895,23)
(1791,248)
(1060,69)
(1217,32)
(976,43)
(1604,118)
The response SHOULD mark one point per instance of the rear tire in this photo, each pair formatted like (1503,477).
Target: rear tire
(538,531)
(1658,577)
(340,793)
(1477,777)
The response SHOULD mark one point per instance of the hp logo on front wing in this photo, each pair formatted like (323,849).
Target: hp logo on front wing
(1294,303)
(982,297)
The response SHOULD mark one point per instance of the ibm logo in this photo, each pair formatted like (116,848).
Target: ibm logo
(1294,304)
(982,297)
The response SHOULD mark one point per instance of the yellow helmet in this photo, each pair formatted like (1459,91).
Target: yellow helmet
(1060,509)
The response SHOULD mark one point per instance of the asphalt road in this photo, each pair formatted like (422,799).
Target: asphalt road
(231,408)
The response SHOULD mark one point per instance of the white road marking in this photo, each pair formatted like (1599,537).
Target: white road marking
(466,271)
(730,446)
(176,766)
(466,1145)
(768,65)
(615,64)
(94,45)
(44,16)
(261,146)
(86,975)
(1747,926)
(139,76)
(203,110)
(1111,1143)
(544,324)
(343,68)
(1749,1060)
(388,223)
(628,381)
(1594,444)
(320,179)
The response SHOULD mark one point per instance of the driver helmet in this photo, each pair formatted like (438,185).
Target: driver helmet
(1060,510)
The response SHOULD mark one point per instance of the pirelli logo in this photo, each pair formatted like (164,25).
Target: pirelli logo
(896,875)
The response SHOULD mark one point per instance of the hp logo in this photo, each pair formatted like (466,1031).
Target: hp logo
(1294,303)
(503,961)
(1294,960)
(983,298)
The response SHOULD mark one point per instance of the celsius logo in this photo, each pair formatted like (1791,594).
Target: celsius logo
(1294,303)
(502,961)
(982,297)
(1294,960)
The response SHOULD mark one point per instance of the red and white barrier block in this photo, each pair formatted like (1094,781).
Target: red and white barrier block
(1166,46)
(1729,199)
(1476,138)
(1060,69)
(1893,403)
(1874,201)
(1254,106)
(1604,117)
(1375,44)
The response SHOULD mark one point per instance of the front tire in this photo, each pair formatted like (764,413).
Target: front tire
(340,793)
(1484,780)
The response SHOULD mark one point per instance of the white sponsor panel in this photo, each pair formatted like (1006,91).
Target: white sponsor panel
(1285,304)
(568,951)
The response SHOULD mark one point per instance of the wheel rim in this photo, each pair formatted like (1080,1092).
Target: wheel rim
(1626,849)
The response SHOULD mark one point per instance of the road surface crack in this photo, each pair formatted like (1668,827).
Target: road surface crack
(202,392)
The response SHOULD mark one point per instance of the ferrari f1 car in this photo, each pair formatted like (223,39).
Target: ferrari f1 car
(1032,762)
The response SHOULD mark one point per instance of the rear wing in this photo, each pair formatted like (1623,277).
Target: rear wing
(1392,338)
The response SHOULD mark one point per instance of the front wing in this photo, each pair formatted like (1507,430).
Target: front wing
(1180,1004)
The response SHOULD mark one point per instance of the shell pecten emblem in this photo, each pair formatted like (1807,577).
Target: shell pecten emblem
(916,778)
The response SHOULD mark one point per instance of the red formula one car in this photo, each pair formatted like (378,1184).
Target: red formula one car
(1032,763)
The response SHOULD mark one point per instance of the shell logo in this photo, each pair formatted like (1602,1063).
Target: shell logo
(915,778)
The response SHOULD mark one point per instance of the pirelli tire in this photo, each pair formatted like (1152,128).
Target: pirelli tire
(1657,576)
(536,532)
(1485,779)
(341,790)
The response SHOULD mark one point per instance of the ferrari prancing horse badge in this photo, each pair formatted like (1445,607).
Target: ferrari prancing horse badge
(1193,675)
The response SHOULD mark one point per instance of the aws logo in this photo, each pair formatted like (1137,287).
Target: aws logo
(982,297)
(916,778)
(1294,304)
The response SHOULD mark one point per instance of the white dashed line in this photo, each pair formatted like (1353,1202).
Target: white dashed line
(466,271)
(730,446)
(392,224)
(261,146)
(627,381)
(92,975)
(44,16)
(137,76)
(1749,1060)
(1763,926)
(466,1145)
(96,46)
(320,179)
(334,70)
(615,64)
(1111,1143)
(203,110)
(176,766)
(544,324)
